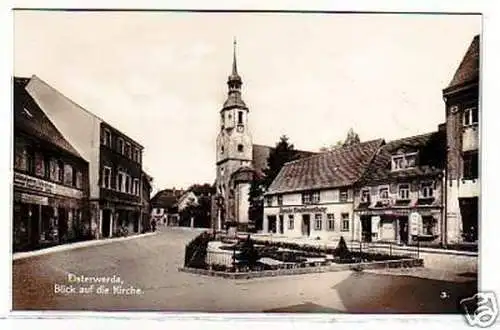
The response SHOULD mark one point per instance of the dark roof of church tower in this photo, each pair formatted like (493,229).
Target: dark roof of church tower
(234,83)
(468,70)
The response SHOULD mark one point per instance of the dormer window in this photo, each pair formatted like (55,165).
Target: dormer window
(470,117)
(404,161)
(365,196)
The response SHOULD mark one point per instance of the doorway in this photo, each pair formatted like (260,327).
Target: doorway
(271,219)
(366,228)
(62,223)
(306,225)
(281,224)
(106,223)
(470,213)
(34,225)
(403,230)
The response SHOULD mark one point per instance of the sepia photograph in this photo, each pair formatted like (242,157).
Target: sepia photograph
(247,162)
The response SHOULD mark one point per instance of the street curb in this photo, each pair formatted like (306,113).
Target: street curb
(74,246)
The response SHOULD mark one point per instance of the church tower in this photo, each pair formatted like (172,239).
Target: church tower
(234,143)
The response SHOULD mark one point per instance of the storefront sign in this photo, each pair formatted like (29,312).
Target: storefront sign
(415,223)
(315,209)
(32,183)
(33,199)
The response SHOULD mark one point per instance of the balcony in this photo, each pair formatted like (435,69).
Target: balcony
(468,188)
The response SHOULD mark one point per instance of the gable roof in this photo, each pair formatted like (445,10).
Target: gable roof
(432,153)
(166,198)
(337,168)
(29,118)
(468,70)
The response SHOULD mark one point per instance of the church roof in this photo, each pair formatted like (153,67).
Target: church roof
(234,101)
(468,70)
(337,168)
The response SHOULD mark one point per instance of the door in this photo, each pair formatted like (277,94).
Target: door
(403,229)
(106,222)
(271,223)
(366,228)
(306,224)
(62,222)
(281,224)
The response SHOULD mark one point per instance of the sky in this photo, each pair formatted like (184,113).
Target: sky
(160,77)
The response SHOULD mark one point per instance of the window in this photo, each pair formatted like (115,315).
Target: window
(343,195)
(136,187)
(365,196)
(106,177)
(280,200)
(269,201)
(54,170)
(240,117)
(222,149)
(68,175)
(240,148)
(20,162)
(120,181)
(315,197)
(471,165)
(470,117)
(222,171)
(306,198)
(136,154)
(345,221)
(331,221)
(127,183)
(39,164)
(222,120)
(128,150)
(79,180)
(30,161)
(318,221)
(120,146)
(290,222)
(60,165)
(427,190)
(401,162)
(428,223)
(106,139)
(404,191)
(383,193)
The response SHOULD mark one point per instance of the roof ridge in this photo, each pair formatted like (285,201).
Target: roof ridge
(412,137)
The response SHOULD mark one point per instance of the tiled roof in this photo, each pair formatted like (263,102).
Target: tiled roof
(432,153)
(337,168)
(260,154)
(468,70)
(234,101)
(29,118)
(166,198)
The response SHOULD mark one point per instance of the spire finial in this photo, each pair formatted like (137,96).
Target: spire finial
(235,69)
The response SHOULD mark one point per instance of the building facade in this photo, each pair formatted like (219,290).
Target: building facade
(114,160)
(50,182)
(461,99)
(400,199)
(314,196)
(146,186)
(164,207)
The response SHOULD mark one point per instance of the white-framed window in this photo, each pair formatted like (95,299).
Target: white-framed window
(401,162)
(427,190)
(120,146)
(318,221)
(269,200)
(343,194)
(345,221)
(315,197)
(280,200)
(365,195)
(135,189)
(128,150)
(128,184)
(106,177)
(120,182)
(470,117)
(331,221)
(306,198)
(291,221)
(404,191)
(383,193)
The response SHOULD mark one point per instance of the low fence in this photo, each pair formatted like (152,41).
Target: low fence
(224,258)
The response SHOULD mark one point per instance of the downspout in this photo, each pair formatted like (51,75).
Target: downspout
(444,215)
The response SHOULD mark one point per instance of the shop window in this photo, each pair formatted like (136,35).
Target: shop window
(318,222)
(280,200)
(345,221)
(428,225)
(68,175)
(427,190)
(343,195)
(471,165)
(470,117)
(331,221)
(404,191)
(291,222)
(60,166)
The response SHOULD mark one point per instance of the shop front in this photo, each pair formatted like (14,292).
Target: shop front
(45,213)
(119,219)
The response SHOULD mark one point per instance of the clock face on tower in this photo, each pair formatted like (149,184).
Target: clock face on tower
(240,128)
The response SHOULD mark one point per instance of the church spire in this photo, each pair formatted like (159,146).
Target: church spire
(235,68)
(234,83)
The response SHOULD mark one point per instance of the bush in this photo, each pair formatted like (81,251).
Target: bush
(248,254)
(342,251)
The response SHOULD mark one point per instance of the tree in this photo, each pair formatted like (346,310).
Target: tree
(283,152)
(200,211)
(256,208)
(352,138)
